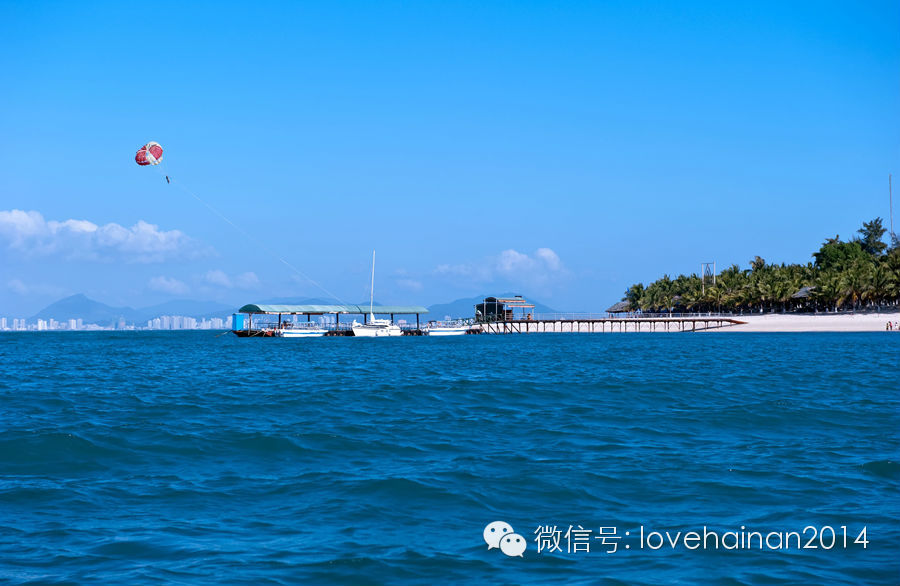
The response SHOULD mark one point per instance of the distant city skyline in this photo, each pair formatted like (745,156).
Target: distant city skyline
(562,151)
(165,322)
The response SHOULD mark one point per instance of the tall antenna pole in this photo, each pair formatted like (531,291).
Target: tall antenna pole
(372,289)
(707,270)
(891,199)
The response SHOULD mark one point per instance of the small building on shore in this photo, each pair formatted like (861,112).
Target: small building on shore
(620,307)
(514,308)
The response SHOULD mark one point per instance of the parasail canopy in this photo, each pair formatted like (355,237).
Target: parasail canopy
(149,154)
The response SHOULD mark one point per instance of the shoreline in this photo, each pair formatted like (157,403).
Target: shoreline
(787,322)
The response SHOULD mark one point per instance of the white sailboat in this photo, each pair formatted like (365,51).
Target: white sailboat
(375,327)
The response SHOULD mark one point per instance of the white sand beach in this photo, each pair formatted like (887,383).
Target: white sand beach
(823,322)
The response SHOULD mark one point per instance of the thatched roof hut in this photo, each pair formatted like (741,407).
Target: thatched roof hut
(620,307)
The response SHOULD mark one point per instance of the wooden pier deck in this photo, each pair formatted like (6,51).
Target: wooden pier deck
(270,332)
(608,325)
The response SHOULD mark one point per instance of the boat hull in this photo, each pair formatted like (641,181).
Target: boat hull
(447,331)
(301,333)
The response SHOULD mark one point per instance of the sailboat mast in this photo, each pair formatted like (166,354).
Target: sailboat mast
(372,288)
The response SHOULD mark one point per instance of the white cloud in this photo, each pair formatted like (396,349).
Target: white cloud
(512,262)
(247,280)
(511,266)
(550,258)
(30,233)
(17,287)
(410,284)
(219,278)
(167,285)
(18,226)
(461,270)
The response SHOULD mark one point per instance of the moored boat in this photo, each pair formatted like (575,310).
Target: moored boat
(295,331)
(375,328)
(455,328)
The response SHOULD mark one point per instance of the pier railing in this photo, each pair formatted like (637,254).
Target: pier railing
(568,316)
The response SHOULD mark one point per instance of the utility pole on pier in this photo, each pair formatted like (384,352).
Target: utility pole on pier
(891,200)
(707,271)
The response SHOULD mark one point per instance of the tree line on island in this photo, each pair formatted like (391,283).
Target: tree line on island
(862,273)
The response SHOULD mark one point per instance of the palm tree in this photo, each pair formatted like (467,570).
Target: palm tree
(757,264)
(854,282)
(854,274)
(879,285)
(666,293)
(828,290)
(633,296)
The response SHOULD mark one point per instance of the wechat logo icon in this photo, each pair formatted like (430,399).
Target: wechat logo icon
(500,535)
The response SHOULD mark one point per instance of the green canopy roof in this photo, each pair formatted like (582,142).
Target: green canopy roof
(318,309)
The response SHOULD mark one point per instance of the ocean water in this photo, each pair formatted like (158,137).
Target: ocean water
(183,457)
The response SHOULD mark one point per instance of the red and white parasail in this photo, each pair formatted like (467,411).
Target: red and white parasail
(149,154)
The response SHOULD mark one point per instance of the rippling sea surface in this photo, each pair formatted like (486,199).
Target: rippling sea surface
(183,457)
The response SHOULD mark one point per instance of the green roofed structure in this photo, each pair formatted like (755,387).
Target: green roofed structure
(335,310)
(323,309)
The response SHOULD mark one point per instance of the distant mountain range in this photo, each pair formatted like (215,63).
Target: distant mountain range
(94,312)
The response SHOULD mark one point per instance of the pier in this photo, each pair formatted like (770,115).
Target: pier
(602,325)
(515,315)
(493,315)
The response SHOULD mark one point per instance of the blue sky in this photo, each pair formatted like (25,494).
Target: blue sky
(560,150)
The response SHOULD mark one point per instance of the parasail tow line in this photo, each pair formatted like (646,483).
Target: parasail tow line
(152,154)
